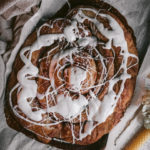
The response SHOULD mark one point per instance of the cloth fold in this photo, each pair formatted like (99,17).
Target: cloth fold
(11,8)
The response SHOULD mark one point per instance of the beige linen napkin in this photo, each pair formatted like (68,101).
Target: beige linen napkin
(11,8)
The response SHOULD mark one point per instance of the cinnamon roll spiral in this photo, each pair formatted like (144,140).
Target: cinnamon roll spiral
(74,77)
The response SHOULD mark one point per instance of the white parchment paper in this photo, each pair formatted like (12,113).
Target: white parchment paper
(137,13)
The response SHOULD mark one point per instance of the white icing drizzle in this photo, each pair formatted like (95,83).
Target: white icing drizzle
(70,32)
(65,105)
(69,108)
(87,41)
(77,76)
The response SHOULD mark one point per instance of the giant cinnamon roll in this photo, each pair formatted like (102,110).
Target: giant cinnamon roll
(74,77)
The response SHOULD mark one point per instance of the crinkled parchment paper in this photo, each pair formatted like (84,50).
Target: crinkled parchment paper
(137,13)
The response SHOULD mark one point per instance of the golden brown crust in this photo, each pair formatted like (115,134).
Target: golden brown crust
(45,134)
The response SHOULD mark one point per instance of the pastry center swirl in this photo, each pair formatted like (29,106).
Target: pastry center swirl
(76,71)
(76,77)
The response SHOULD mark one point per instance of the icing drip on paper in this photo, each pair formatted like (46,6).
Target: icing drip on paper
(66,106)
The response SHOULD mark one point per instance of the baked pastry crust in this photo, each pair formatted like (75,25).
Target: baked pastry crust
(69,130)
